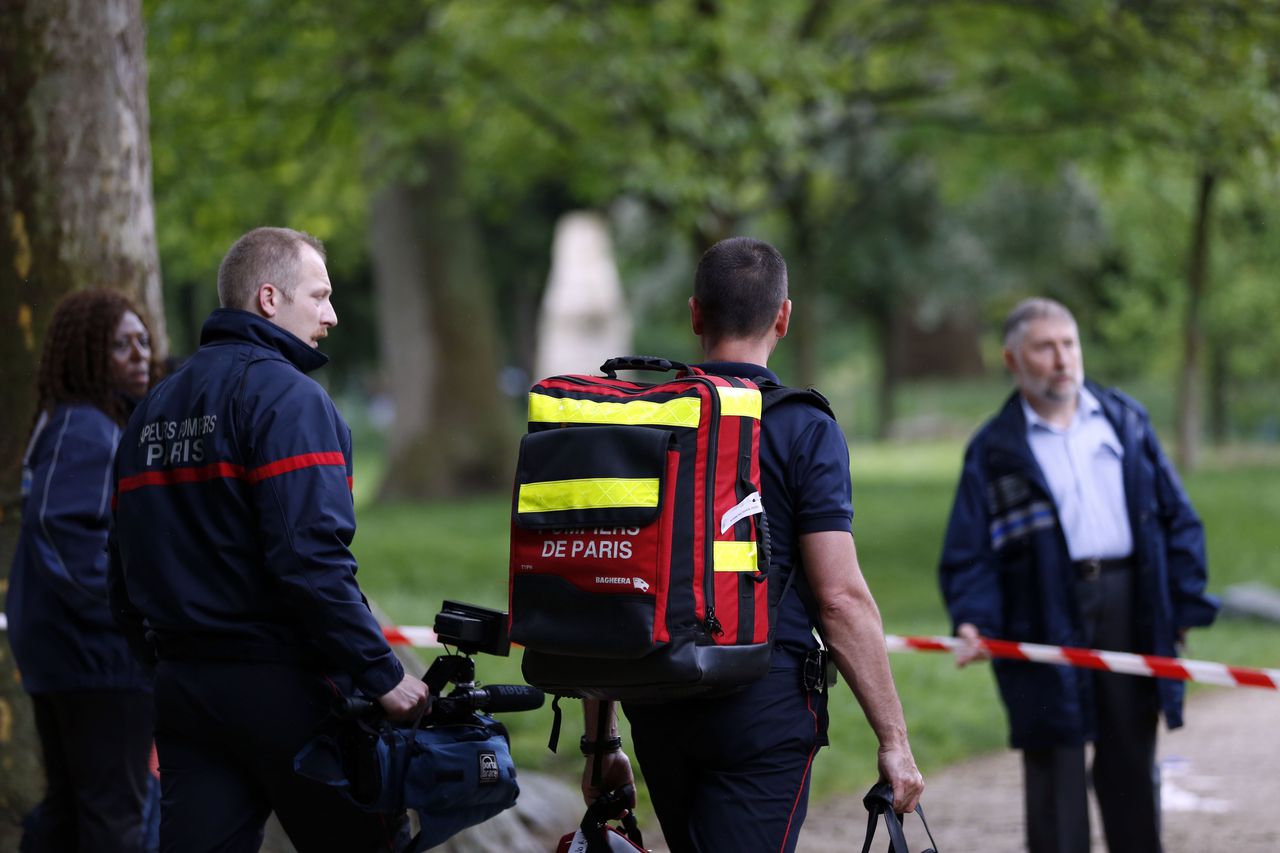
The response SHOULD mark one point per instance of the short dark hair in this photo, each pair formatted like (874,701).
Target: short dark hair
(263,255)
(740,285)
(75,364)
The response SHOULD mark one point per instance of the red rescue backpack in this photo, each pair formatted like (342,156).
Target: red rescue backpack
(640,562)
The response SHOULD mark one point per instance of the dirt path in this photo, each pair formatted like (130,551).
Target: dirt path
(1221,790)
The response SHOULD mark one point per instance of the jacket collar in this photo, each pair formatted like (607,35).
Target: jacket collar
(232,324)
(1008,429)
(739,369)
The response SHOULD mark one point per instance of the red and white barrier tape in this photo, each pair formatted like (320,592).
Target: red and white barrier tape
(1149,665)
(411,635)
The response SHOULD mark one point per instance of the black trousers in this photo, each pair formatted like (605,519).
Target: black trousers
(96,746)
(1125,776)
(732,773)
(227,733)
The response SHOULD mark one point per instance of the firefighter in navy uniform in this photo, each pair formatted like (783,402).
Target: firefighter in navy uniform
(732,772)
(230,564)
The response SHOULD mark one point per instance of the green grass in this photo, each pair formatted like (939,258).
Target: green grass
(415,556)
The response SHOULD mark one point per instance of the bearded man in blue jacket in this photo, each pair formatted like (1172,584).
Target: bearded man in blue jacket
(231,565)
(1070,527)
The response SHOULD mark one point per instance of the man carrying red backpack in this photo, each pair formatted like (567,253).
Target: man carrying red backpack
(731,772)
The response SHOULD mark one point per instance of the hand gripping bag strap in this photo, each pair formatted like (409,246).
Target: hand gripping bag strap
(602,838)
(879,800)
(595,835)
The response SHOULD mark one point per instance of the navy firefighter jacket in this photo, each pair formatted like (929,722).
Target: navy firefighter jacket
(1005,568)
(60,626)
(234,514)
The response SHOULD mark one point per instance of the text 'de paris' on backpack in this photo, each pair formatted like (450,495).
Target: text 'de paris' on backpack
(639,546)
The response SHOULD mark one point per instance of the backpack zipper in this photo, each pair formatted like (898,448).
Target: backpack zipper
(711,624)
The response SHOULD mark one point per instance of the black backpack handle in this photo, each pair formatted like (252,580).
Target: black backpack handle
(878,801)
(644,362)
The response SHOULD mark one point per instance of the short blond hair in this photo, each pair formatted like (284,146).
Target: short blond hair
(261,256)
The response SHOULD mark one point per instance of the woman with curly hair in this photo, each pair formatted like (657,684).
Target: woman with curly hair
(92,698)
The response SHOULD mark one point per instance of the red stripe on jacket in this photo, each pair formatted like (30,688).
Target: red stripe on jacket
(231,471)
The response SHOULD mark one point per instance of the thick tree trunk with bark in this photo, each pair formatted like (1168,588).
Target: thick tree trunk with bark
(75,211)
(1190,379)
(453,432)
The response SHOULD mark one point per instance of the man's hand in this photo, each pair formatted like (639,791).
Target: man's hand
(406,700)
(615,771)
(898,768)
(971,650)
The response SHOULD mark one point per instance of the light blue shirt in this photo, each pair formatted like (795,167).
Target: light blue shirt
(1083,467)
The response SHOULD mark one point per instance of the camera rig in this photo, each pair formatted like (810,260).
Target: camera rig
(389,766)
(468,629)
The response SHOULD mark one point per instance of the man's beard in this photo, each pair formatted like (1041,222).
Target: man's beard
(1062,389)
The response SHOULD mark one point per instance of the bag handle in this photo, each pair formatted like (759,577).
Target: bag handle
(879,800)
(645,362)
(611,805)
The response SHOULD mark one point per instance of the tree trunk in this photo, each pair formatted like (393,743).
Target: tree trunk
(75,211)
(452,433)
(405,324)
(1190,379)
(889,329)
(804,291)
(1219,399)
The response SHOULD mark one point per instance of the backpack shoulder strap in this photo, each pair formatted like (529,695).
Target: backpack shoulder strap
(771,394)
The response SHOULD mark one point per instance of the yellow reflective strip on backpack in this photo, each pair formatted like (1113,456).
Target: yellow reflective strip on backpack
(680,412)
(742,402)
(735,556)
(602,493)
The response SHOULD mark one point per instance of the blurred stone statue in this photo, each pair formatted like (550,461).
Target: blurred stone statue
(584,318)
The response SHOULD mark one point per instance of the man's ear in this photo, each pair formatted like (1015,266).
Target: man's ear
(1010,363)
(267,300)
(695,316)
(783,321)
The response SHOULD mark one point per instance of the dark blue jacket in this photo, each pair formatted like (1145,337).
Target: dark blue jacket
(60,626)
(234,514)
(1005,568)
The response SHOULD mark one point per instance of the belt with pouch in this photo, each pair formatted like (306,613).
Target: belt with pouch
(819,671)
(1090,568)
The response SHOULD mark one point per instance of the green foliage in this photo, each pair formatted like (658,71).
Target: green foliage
(905,156)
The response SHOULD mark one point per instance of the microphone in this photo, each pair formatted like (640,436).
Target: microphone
(494,699)
(501,698)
